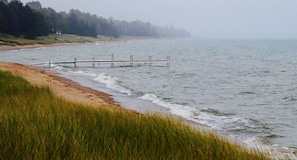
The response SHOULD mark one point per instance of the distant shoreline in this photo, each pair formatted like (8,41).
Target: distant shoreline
(8,42)
(18,47)
(99,40)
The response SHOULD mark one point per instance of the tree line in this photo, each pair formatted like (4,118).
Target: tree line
(32,20)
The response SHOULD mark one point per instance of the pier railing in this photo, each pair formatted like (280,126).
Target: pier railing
(114,63)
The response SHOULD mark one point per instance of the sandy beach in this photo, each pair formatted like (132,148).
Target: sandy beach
(71,90)
(61,86)
(17,47)
(3,48)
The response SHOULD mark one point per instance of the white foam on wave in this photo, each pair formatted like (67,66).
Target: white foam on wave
(103,78)
(176,109)
(111,82)
(52,65)
(230,123)
(210,120)
(190,113)
(85,73)
(275,151)
(108,80)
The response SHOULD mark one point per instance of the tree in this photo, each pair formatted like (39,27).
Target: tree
(35,5)
(32,20)
(3,20)
(28,23)
(4,1)
(93,31)
(11,19)
(72,24)
(39,26)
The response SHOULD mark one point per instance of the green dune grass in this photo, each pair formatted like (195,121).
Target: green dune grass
(35,124)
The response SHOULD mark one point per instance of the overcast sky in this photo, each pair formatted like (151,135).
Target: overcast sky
(203,18)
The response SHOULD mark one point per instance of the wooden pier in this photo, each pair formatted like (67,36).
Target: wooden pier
(114,63)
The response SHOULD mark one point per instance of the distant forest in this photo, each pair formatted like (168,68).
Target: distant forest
(32,20)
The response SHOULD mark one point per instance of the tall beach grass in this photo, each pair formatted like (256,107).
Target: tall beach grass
(35,124)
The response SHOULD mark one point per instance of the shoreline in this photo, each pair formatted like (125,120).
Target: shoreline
(75,92)
(69,83)
(30,73)
(19,47)
(61,86)
(37,45)
(103,40)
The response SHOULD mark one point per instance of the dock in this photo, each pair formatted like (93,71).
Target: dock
(113,63)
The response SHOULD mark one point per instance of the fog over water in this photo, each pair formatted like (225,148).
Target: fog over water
(212,19)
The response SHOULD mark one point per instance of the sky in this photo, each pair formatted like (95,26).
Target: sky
(202,18)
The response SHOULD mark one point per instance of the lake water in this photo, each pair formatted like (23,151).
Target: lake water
(246,89)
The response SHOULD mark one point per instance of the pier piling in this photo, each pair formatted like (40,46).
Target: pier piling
(112,62)
(74,62)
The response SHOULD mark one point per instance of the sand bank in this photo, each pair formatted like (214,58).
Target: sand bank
(62,87)
(17,47)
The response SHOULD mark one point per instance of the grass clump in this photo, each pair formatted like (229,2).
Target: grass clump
(8,40)
(35,124)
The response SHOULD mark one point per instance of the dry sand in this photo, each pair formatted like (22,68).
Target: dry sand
(61,86)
